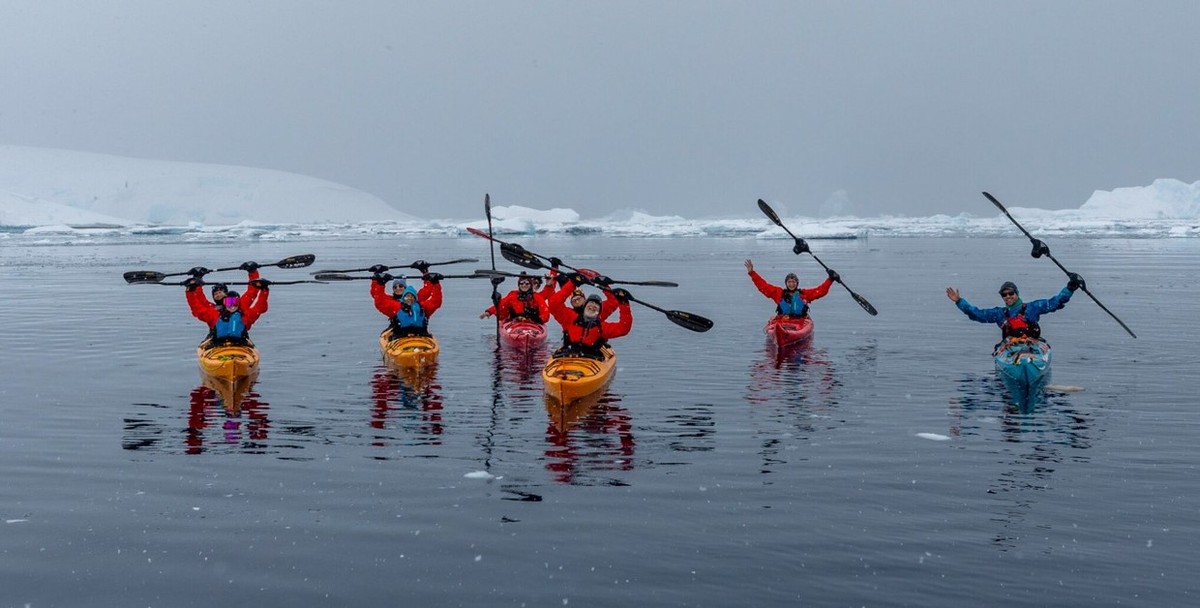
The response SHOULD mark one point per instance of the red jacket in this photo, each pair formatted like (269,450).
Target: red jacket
(577,333)
(430,299)
(512,306)
(776,293)
(204,310)
(247,298)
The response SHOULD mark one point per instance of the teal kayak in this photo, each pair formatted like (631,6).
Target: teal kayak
(1024,366)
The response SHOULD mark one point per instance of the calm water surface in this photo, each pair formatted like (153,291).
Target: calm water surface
(881,466)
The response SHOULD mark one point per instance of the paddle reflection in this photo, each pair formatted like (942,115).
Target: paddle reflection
(407,400)
(587,438)
(1035,439)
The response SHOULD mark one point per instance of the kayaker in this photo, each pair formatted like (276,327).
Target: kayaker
(1017,319)
(522,303)
(585,331)
(410,314)
(790,300)
(231,323)
(219,290)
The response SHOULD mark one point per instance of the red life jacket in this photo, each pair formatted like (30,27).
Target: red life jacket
(1016,326)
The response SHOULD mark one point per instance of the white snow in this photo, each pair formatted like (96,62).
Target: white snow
(41,186)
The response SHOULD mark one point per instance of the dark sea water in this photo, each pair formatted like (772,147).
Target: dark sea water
(881,466)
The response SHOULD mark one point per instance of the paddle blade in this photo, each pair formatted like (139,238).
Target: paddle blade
(458,261)
(769,212)
(865,304)
(334,276)
(296,261)
(519,256)
(690,321)
(479,233)
(487,206)
(995,202)
(144,276)
(648,283)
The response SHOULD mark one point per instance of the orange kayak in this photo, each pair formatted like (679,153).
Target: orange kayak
(409,351)
(227,362)
(567,379)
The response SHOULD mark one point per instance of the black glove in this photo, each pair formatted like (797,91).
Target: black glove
(432,277)
(421,265)
(249,266)
(497,281)
(602,281)
(621,295)
(833,275)
(262,284)
(378,269)
(193,283)
(1039,249)
(382,279)
(1075,281)
(800,247)
(199,271)
(579,279)
(562,279)
(555,263)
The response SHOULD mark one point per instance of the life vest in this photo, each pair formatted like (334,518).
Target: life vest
(583,336)
(414,317)
(528,312)
(230,326)
(792,305)
(1017,326)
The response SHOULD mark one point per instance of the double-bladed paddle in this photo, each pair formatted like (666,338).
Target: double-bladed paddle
(1040,249)
(269,283)
(801,246)
(323,277)
(415,266)
(523,257)
(151,276)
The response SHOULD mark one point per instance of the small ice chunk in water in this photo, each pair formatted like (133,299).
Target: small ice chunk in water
(933,436)
(480,475)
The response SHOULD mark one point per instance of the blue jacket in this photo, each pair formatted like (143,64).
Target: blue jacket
(1000,314)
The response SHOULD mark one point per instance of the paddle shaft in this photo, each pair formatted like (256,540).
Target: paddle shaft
(1046,253)
(487,210)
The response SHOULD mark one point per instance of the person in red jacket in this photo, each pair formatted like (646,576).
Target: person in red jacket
(409,315)
(585,332)
(231,323)
(790,300)
(219,290)
(522,303)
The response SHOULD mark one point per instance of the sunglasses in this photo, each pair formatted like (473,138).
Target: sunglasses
(1005,294)
(524,283)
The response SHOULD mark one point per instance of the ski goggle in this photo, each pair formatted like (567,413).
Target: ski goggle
(230,302)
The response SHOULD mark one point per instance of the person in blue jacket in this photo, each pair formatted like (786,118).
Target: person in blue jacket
(1016,319)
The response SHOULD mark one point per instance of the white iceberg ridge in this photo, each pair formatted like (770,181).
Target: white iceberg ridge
(60,196)
(40,186)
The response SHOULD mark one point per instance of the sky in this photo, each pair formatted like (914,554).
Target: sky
(674,107)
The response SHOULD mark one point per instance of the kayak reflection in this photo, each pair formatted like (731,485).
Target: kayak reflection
(232,412)
(408,400)
(587,437)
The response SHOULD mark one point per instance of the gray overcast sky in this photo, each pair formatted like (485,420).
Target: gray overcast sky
(688,107)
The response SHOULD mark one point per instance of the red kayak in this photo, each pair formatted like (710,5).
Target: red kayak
(787,331)
(523,334)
